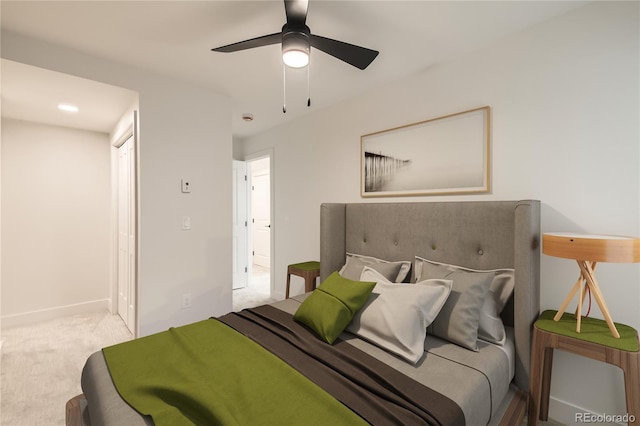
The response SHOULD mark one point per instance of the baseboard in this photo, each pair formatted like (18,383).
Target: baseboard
(565,413)
(57,312)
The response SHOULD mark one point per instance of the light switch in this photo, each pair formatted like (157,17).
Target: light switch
(186,186)
(186,222)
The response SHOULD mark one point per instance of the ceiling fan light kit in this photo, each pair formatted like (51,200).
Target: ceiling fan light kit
(296,40)
(295,48)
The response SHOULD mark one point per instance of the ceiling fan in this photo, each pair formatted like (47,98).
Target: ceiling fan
(296,40)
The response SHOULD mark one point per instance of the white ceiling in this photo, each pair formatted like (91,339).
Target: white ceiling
(33,94)
(174,38)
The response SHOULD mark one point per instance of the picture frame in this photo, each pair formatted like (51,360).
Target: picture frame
(439,156)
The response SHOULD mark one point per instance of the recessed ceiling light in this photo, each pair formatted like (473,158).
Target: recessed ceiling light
(67,108)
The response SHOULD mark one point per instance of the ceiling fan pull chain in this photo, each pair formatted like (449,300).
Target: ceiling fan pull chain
(284,88)
(309,81)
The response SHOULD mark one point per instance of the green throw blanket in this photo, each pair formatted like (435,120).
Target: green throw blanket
(213,375)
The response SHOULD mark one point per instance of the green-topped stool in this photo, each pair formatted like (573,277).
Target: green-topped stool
(307,270)
(594,341)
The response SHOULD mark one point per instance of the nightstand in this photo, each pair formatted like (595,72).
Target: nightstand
(593,341)
(309,271)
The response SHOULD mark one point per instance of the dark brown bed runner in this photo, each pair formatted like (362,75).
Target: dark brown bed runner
(377,392)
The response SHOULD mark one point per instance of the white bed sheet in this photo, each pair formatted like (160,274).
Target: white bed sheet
(509,348)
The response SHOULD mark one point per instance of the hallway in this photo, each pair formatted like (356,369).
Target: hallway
(256,293)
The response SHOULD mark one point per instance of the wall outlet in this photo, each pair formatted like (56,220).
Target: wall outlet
(186,223)
(186,186)
(186,300)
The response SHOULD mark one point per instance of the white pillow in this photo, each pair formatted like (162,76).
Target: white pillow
(396,316)
(392,271)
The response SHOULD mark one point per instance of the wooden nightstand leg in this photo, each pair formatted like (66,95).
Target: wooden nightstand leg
(546,384)
(540,376)
(286,296)
(631,368)
(535,378)
(308,282)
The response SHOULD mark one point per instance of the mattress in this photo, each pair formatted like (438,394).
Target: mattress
(477,381)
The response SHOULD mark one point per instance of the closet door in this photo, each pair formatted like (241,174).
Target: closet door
(127,233)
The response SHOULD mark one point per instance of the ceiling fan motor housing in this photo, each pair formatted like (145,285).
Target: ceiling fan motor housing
(295,45)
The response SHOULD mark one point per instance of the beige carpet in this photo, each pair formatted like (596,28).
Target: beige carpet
(257,293)
(41,365)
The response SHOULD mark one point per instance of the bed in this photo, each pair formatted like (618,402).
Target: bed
(445,243)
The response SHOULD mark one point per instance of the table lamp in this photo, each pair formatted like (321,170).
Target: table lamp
(588,250)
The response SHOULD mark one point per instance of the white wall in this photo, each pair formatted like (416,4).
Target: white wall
(185,132)
(565,130)
(55,221)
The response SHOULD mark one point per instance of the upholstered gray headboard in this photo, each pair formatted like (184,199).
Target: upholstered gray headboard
(478,235)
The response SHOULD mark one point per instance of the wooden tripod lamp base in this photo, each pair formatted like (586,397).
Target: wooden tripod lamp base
(588,250)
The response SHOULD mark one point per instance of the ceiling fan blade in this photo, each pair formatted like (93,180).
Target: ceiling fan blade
(296,11)
(251,43)
(359,57)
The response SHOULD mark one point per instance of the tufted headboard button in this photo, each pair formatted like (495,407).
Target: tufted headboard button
(395,243)
(480,252)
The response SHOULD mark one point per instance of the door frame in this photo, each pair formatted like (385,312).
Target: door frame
(267,153)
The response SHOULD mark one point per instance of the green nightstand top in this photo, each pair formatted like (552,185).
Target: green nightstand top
(591,330)
(307,266)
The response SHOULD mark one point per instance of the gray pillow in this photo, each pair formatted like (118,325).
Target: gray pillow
(393,271)
(502,286)
(490,327)
(459,318)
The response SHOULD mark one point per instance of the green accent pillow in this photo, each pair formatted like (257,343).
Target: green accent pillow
(331,307)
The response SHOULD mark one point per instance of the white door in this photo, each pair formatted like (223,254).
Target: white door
(261,211)
(240,218)
(127,233)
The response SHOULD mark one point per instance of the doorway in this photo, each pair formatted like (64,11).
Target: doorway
(255,245)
